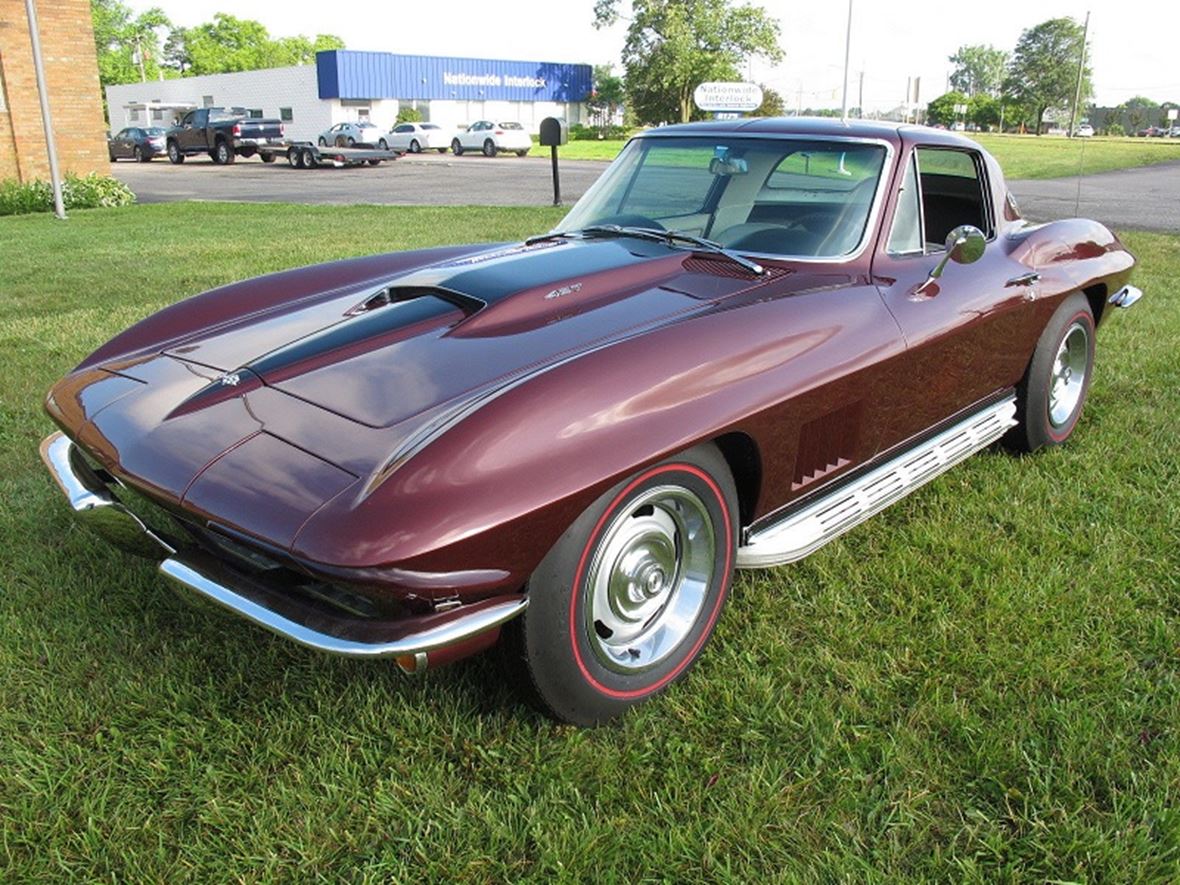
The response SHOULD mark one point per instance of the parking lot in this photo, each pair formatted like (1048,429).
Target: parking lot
(1146,198)
(415,179)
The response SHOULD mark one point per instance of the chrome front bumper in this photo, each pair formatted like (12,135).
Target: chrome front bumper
(415,642)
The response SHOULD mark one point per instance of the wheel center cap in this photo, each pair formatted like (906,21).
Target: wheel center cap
(653,582)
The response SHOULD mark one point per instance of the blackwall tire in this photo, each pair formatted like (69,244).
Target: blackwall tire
(626,600)
(1052,393)
(457,147)
(415,148)
(489,148)
(175,157)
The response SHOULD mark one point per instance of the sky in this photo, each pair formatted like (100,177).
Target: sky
(1133,43)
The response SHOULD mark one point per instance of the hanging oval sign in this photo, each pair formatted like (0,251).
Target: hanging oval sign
(727,96)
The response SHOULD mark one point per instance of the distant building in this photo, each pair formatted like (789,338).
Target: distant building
(71,73)
(344,86)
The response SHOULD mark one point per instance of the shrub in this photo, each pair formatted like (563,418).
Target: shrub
(578,132)
(409,115)
(1116,129)
(91,191)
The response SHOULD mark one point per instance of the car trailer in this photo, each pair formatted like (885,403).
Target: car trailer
(305,155)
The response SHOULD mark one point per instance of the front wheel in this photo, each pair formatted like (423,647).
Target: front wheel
(174,155)
(1050,396)
(415,148)
(626,600)
(457,148)
(489,148)
(383,145)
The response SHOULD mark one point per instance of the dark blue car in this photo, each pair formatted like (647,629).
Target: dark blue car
(137,143)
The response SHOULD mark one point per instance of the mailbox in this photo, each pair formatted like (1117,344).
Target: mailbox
(554,131)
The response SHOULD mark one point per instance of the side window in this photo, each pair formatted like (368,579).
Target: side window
(188,119)
(953,193)
(906,236)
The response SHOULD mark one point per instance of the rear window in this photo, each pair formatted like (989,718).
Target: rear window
(429,126)
(510,126)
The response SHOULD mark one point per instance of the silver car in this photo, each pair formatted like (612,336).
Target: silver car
(349,134)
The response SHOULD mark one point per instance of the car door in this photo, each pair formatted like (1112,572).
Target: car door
(964,332)
(400,137)
(188,135)
(473,137)
(119,144)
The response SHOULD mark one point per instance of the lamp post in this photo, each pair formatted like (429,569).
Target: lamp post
(59,208)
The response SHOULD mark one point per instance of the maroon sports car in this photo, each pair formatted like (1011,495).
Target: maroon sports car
(745,338)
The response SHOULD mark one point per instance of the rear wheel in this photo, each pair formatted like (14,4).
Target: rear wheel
(415,148)
(174,154)
(351,142)
(383,145)
(137,154)
(223,154)
(626,600)
(1050,397)
(267,157)
(323,141)
(309,158)
(523,153)
(457,147)
(489,148)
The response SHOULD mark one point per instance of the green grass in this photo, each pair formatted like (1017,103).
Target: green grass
(1021,156)
(981,684)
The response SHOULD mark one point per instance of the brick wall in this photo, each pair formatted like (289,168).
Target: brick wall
(71,73)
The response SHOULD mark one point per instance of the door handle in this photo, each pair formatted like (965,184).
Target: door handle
(1024,279)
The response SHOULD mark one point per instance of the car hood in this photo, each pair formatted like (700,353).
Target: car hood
(257,423)
(381,354)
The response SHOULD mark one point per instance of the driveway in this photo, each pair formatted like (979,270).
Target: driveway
(1147,198)
(427,179)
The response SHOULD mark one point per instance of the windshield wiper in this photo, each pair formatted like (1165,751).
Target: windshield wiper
(668,237)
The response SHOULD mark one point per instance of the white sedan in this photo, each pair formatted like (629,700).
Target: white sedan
(418,137)
(491,138)
(349,134)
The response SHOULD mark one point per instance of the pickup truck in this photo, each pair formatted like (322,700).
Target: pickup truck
(222,134)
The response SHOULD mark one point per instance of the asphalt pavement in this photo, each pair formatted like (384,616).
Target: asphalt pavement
(1147,198)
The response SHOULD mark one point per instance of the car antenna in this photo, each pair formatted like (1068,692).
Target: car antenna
(1081,168)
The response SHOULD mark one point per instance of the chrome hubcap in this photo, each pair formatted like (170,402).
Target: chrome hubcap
(649,578)
(1069,374)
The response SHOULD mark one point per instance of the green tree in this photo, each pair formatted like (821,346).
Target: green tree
(128,45)
(772,104)
(1044,68)
(673,46)
(942,110)
(607,98)
(978,70)
(984,111)
(229,44)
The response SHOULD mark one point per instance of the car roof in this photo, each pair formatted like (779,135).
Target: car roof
(824,127)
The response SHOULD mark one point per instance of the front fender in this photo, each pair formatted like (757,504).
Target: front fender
(496,490)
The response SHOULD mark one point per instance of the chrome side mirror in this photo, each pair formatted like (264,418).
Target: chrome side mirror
(964,245)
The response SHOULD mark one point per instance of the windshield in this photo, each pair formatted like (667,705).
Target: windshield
(154,131)
(769,196)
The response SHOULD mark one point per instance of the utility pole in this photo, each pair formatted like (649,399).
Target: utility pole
(860,99)
(139,56)
(59,207)
(847,50)
(1077,96)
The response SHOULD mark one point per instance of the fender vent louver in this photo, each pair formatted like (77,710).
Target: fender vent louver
(723,267)
(826,444)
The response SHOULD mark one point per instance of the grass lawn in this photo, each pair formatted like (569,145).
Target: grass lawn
(1021,156)
(981,684)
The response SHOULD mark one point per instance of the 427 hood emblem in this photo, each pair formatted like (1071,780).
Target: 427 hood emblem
(564,290)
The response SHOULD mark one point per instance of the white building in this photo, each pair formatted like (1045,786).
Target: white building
(347,86)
